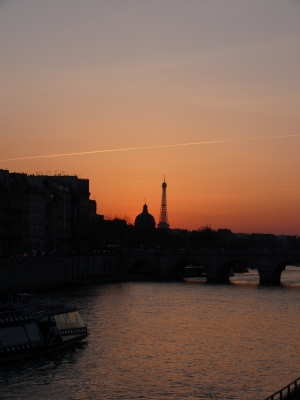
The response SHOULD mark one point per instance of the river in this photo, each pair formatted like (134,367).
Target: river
(172,340)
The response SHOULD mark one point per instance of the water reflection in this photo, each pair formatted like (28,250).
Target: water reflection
(172,341)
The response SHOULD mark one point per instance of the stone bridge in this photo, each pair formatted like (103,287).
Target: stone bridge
(37,273)
(217,263)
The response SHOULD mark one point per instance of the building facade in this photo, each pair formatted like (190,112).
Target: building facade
(41,213)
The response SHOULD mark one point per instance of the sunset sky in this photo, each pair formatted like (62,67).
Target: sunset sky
(218,78)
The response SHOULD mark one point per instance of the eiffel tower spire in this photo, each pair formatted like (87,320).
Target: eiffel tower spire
(163,218)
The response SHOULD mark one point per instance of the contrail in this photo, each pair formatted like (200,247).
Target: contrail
(152,147)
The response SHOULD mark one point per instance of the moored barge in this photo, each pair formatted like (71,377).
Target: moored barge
(30,329)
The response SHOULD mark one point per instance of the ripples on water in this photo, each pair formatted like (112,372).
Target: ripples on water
(172,341)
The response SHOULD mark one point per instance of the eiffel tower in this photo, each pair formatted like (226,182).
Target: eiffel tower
(163,218)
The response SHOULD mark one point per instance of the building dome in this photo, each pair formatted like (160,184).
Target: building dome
(145,220)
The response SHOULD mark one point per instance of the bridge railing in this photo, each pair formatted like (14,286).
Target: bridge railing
(287,391)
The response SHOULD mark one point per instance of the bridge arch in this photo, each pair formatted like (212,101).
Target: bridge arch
(177,270)
(226,269)
(273,275)
(143,267)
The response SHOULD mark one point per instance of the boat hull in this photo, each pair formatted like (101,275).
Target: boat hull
(19,355)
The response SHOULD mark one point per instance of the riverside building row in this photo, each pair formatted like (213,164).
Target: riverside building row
(41,213)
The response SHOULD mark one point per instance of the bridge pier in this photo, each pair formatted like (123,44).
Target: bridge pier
(218,272)
(218,280)
(272,278)
(270,275)
(270,281)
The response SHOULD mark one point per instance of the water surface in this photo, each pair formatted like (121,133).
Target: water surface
(172,341)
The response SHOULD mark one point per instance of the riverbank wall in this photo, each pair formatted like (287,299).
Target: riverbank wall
(52,272)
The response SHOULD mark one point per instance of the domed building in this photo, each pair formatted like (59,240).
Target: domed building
(145,220)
